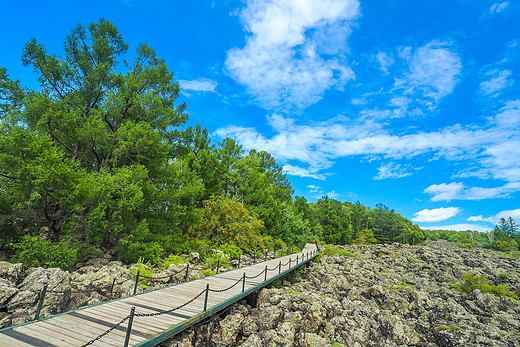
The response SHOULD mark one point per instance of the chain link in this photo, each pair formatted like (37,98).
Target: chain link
(228,288)
(171,310)
(251,277)
(106,332)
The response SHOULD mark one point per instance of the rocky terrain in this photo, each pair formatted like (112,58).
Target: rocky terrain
(380,295)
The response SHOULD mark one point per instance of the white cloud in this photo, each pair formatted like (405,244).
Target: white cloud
(198,85)
(506,214)
(315,191)
(490,151)
(385,61)
(458,227)
(480,218)
(301,172)
(433,72)
(333,194)
(427,75)
(498,81)
(294,51)
(444,192)
(392,170)
(498,7)
(494,219)
(457,191)
(436,215)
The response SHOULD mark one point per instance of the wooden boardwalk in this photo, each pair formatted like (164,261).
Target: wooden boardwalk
(152,323)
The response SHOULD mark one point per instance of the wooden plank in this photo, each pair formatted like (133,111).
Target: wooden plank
(98,317)
(13,338)
(50,336)
(151,324)
(112,339)
(81,333)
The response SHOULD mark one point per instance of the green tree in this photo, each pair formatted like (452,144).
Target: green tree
(295,229)
(93,149)
(224,220)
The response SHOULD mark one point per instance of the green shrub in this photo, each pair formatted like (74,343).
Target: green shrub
(231,250)
(172,259)
(466,243)
(502,246)
(472,282)
(33,251)
(131,252)
(213,260)
(186,246)
(145,270)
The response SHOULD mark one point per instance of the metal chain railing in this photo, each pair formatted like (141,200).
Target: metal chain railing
(171,310)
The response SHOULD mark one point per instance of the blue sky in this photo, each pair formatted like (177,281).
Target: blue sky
(414,104)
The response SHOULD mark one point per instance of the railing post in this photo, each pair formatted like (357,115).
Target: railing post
(129,327)
(238,261)
(206,297)
(265,275)
(218,265)
(243,282)
(297,259)
(40,304)
(112,286)
(290,261)
(136,281)
(187,269)
(279,267)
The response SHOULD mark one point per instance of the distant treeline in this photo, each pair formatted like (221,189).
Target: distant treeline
(98,161)
(504,237)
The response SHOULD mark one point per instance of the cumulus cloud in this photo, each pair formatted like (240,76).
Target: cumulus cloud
(198,85)
(444,192)
(294,51)
(480,218)
(494,219)
(498,81)
(436,215)
(458,191)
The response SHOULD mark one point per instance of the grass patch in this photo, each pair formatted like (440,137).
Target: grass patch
(341,252)
(451,327)
(207,272)
(401,286)
(472,282)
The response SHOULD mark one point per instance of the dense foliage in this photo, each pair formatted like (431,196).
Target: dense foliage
(97,160)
